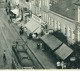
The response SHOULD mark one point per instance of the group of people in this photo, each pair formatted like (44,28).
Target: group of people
(39,45)
(60,65)
(8,11)
(33,36)
(8,8)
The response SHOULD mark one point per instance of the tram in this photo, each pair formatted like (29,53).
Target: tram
(20,58)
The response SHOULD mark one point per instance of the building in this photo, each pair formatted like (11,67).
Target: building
(62,16)
(58,15)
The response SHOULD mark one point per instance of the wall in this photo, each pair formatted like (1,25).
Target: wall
(58,22)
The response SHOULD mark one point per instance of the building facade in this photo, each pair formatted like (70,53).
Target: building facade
(68,25)
(62,16)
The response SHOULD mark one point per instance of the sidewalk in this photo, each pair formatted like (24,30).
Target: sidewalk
(42,56)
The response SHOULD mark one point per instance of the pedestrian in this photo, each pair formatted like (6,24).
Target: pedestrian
(58,64)
(30,36)
(10,18)
(38,46)
(41,45)
(36,34)
(42,33)
(33,36)
(62,64)
(21,30)
(4,56)
(9,6)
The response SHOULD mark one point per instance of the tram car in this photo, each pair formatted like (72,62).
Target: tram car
(20,58)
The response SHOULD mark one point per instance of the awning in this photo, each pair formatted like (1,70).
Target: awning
(32,26)
(38,30)
(51,41)
(63,52)
(15,11)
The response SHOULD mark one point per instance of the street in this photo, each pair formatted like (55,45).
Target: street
(9,32)
(8,35)
(6,39)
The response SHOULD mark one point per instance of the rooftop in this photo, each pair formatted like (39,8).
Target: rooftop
(64,7)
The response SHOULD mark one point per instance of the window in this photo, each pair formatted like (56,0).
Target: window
(40,4)
(47,2)
(45,17)
(49,20)
(42,16)
(69,32)
(65,30)
(52,22)
(73,35)
(78,35)
(43,2)
(59,26)
(27,0)
(55,25)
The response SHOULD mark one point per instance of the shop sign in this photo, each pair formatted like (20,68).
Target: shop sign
(72,59)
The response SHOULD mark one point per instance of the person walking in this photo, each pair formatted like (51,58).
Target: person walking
(4,56)
(10,18)
(62,65)
(58,64)
(38,45)
(21,30)
(41,45)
